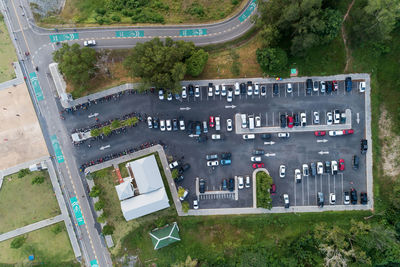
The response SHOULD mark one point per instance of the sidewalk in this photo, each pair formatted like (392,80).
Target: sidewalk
(31,227)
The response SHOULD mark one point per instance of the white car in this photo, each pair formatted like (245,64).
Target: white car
(329,118)
(258,121)
(256,159)
(229,98)
(229,125)
(286,200)
(247,183)
(217,123)
(240,182)
(316,117)
(223,90)
(361,87)
(173,165)
(185,194)
(297,175)
(289,88)
(237,89)
(217,91)
(168,124)
(346,199)
(332,199)
(320,167)
(303,119)
(305,170)
(184,92)
(89,43)
(249,136)
(161,94)
(334,168)
(197,91)
(149,122)
(283,135)
(182,125)
(169,97)
(212,163)
(335,133)
(250,90)
(217,137)
(256,89)
(195,204)
(282,171)
(210,91)
(323,86)
(336,116)
(162,125)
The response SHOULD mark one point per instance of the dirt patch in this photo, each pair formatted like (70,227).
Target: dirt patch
(344,36)
(21,137)
(390,146)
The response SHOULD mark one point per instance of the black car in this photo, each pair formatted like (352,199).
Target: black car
(191,90)
(184,168)
(263,90)
(353,196)
(296,119)
(231,184)
(202,186)
(156,123)
(349,84)
(179,179)
(364,146)
(363,198)
(329,87)
(175,124)
(275,89)
(224,184)
(258,152)
(226,155)
(313,169)
(356,162)
(189,127)
(327,166)
(309,86)
(243,88)
(283,120)
(202,138)
(320,199)
(266,136)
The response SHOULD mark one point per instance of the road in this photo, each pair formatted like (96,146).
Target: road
(28,37)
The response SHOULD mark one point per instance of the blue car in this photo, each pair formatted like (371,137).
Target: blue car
(225,162)
(198,129)
(349,84)
(224,184)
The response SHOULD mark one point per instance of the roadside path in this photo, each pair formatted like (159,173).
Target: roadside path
(344,37)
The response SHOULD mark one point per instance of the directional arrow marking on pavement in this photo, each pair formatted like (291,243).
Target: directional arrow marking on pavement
(104,147)
(186,108)
(93,115)
(322,141)
(231,106)
(323,152)
(270,154)
(269,143)
(358,118)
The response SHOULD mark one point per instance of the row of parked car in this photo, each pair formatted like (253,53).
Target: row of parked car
(212,159)
(169,124)
(181,169)
(297,119)
(348,197)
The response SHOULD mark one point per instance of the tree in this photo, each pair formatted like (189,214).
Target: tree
(95,192)
(116,124)
(271,59)
(18,242)
(76,64)
(189,262)
(174,173)
(107,130)
(95,132)
(181,191)
(196,63)
(99,205)
(23,172)
(101,218)
(38,180)
(108,229)
(131,121)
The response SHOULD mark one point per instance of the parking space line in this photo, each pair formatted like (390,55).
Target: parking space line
(295,201)
(342,187)
(321,182)
(266,118)
(273,120)
(302,191)
(334,184)
(329,183)
(308,193)
(316,182)
(298,89)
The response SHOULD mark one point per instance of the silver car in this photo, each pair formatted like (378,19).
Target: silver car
(316,117)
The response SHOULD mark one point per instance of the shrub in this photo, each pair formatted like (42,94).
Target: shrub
(101,11)
(101,218)
(38,180)
(99,205)
(196,9)
(116,18)
(95,192)
(235,2)
(18,242)
(272,59)
(56,229)
(174,173)
(23,172)
(195,64)
(185,206)
(107,130)
(108,229)
(95,132)
(116,124)
(264,182)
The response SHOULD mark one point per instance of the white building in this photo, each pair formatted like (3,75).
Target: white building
(143,192)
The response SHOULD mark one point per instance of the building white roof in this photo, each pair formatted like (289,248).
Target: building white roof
(124,190)
(146,174)
(141,205)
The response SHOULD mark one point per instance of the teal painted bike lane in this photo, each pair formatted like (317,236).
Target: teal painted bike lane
(36,87)
(193,32)
(57,148)
(248,11)
(63,37)
(77,210)
(122,34)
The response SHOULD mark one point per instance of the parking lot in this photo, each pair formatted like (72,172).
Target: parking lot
(300,148)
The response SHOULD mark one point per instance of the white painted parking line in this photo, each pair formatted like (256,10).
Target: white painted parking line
(329,183)
(302,191)
(295,201)
(298,89)
(321,181)
(342,185)
(273,120)
(308,193)
(266,118)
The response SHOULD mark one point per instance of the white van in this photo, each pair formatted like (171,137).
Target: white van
(244,120)
(217,123)
(251,122)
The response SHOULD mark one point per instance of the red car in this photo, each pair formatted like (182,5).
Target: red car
(272,191)
(319,133)
(290,121)
(258,165)
(335,85)
(211,122)
(341,164)
(350,131)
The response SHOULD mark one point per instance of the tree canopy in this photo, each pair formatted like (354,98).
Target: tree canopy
(272,59)
(164,64)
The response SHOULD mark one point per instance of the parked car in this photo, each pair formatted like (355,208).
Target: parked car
(197,91)
(247,182)
(335,85)
(229,98)
(319,133)
(212,163)
(184,92)
(364,146)
(242,88)
(290,121)
(225,162)
(266,136)
(283,135)
(263,90)
(217,91)
(210,90)
(173,165)
(191,90)
(198,128)
(231,184)
(161,94)
(211,156)
(240,182)
(305,170)
(323,86)
(336,116)
(361,87)
(217,123)
(334,165)
(316,117)
(237,89)
(217,137)
(249,90)
(282,171)
(195,204)
(329,118)
(341,164)
(329,87)
(202,186)
(320,168)
(184,168)
(275,89)
(169,96)
(149,122)
(303,119)
(229,125)
(313,168)
(256,89)
(297,175)
(296,119)
(258,152)
(323,90)
(332,198)
(363,198)
(169,125)
(256,159)
(226,155)
(211,122)
(336,133)
(184,196)
(175,124)
(289,88)
(347,132)
(223,90)
(89,43)
(320,199)
(286,200)
(346,198)
(258,121)
(356,162)
(162,125)
(353,196)
(348,84)
(328,167)
(224,184)
(181,124)
(156,123)
(317,85)
(179,179)
(257,165)
(283,120)
(249,136)
(309,86)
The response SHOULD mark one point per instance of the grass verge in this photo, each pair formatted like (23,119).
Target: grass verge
(22,203)
(7,53)
(49,245)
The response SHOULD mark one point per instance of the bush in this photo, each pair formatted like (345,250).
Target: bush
(101,218)
(23,172)
(101,11)
(38,180)
(264,182)
(107,130)
(95,132)
(95,192)
(235,2)
(174,173)
(116,124)
(185,206)
(18,242)
(272,59)
(99,205)
(116,18)
(196,9)
(195,64)
(181,191)
(108,229)
(56,229)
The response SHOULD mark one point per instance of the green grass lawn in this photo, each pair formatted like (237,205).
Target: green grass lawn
(22,203)
(7,54)
(49,248)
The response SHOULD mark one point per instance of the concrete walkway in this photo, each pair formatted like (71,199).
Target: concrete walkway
(31,227)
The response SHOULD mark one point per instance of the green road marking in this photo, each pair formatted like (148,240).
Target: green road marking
(248,11)
(77,211)
(193,32)
(63,37)
(129,33)
(57,148)
(94,263)
(36,86)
